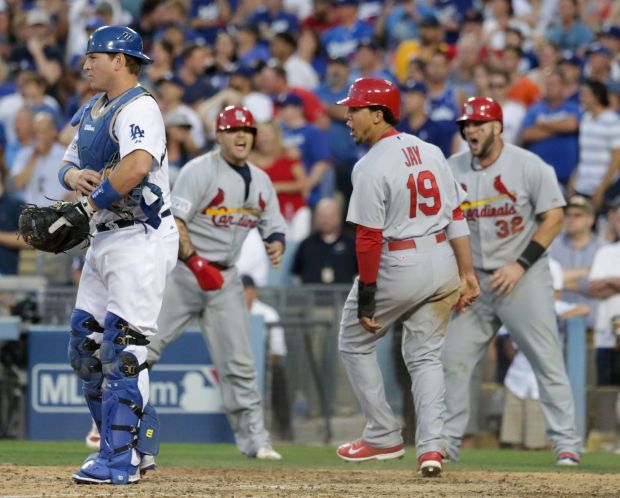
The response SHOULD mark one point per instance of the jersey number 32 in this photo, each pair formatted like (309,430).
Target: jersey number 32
(425,186)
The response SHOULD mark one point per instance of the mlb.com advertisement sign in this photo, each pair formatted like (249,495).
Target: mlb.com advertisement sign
(184,389)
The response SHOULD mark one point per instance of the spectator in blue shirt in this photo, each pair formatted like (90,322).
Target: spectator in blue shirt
(10,243)
(23,135)
(570,67)
(210,16)
(550,128)
(192,74)
(250,52)
(342,40)
(309,139)
(415,120)
(271,18)
(342,147)
(401,22)
(334,88)
(443,96)
(368,63)
(569,33)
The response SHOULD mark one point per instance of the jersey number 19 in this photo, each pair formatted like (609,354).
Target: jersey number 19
(426,187)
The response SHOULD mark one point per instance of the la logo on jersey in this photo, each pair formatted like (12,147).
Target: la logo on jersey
(136,131)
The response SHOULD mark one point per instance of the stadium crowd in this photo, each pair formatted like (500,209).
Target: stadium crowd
(553,65)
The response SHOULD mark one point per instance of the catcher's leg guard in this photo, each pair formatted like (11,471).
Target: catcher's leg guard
(148,437)
(81,357)
(121,407)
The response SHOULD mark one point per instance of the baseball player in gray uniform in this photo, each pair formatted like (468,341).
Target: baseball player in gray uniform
(514,211)
(412,246)
(217,198)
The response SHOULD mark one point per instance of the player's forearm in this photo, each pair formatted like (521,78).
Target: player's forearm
(130,171)
(186,248)
(461,247)
(550,227)
(368,245)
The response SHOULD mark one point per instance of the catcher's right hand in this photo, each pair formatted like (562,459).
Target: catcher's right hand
(70,226)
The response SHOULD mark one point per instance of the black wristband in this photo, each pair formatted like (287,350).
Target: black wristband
(530,255)
(366,299)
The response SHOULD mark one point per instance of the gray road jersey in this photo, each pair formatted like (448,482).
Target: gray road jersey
(209,196)
(404,187)
(503,201)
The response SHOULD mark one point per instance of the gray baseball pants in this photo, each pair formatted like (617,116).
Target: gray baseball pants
(224,320)
(420,286)
(528,313)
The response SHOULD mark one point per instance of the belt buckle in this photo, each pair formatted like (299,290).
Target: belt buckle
(111,225)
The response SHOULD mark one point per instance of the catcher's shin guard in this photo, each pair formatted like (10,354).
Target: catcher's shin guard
(122,400)
(81,352)
(148,437)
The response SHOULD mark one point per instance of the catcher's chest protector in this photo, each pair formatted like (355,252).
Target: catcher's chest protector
(98,147)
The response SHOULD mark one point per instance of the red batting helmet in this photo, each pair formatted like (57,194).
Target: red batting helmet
(235,116)
(481,109)
(365,92)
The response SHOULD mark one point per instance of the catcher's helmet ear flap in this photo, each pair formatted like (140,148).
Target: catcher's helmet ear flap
(365,92)
(235,116)
(480,109)
(117,39)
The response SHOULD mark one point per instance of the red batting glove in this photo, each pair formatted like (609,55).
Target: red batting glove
(208,276)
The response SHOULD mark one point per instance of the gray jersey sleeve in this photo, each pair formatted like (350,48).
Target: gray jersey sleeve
(544,188)
(271,220)
(368,200)
(190,190)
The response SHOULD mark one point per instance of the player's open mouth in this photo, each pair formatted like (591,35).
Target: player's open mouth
(241,145)
(473,141)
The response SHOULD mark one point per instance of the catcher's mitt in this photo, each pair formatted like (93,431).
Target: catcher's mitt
(35,221)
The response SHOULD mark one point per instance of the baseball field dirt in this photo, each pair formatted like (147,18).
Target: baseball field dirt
(52,481)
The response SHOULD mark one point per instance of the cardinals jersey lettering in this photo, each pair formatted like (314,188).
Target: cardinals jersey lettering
(503,201)
(210,197)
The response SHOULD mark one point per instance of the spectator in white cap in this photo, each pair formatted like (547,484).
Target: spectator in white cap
(39,51)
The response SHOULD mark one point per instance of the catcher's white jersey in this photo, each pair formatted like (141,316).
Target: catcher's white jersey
(138,126)
(404,187)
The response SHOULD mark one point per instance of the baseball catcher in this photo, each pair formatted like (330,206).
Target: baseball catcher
(56,228)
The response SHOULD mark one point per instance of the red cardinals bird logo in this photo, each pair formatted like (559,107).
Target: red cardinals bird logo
(218,199)
(501,188)
(261,202)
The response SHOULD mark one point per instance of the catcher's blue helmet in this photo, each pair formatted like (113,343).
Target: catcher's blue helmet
(117,39)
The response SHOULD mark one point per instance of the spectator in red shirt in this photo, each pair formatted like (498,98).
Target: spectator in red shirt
(284,167)
(322,18)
